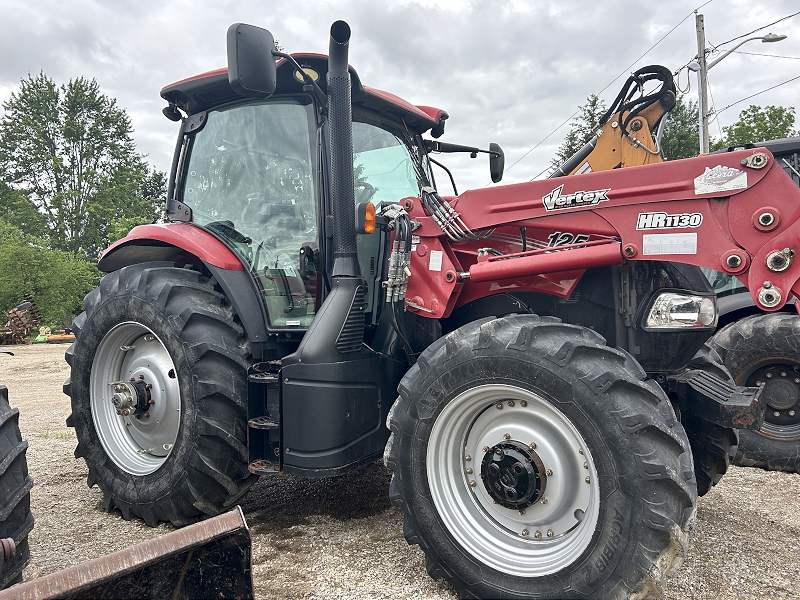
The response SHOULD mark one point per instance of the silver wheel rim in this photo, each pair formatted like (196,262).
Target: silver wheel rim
(132,351)
(550,535)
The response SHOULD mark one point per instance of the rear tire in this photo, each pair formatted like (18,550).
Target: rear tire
(616,493)
(16,521)
(185,455)
(766,349)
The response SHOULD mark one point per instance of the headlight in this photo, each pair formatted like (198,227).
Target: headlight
(674,310)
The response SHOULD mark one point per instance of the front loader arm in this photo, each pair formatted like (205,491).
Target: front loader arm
(736,213)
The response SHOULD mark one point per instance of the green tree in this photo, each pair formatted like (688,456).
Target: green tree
(681,137)
(56,280)
(581,130)
(758,124)
(70,150)
(17,209)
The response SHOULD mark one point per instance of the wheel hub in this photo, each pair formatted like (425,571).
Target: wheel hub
(781,395)
(513,474)
(781,385)
(131,398)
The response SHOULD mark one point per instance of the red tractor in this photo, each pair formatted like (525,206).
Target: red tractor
(555,419)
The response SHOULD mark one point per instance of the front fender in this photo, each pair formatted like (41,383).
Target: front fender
(148,243)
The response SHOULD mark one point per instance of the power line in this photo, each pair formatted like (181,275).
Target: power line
(713,105)
(770,55)
(756,94)
(754,30)
(610,83)
(543,140)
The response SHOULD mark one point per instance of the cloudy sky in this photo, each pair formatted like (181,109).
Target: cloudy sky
(507,71)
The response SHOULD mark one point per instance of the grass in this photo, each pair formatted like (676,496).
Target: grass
(58,435)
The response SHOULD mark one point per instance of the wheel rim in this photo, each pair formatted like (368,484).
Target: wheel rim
(140,442)
(781,383)
(528,541)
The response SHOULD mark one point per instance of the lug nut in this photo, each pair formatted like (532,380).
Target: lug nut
(776,414)
(537,534)
(522,512)
(506,436)
(580,451)
(511,403)
(132,380)
(523,403)
(468,458)
(472,483)
(587,480)
(469,471)
(791,413)
(543,500)
(532,446)
(769,375)
(585,465)
(486,448)
(550,533)
(147,414)
(525,533)
(149,386)
(141,376)
(549,472)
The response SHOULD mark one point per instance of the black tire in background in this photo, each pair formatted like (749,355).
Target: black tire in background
(602,438)
(713,447)
(16,520)
(765,350)
(186,456)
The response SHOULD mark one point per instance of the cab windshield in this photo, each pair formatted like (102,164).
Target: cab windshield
(249,180)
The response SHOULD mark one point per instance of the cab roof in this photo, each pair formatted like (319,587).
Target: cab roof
(211,89)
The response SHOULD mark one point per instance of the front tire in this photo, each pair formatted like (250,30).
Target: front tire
(593,493)
(159,390)
(764,350)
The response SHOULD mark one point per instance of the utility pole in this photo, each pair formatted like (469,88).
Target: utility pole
(702,76)
(702,66)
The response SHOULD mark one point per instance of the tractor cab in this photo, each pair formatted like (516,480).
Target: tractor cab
(250,171)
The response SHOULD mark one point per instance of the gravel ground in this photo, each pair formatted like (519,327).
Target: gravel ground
(340,538)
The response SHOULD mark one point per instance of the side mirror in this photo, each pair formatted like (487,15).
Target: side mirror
(497,162)
(251,65)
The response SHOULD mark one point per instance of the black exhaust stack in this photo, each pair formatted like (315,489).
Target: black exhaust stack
(338,327)
(340,119)
(335,390)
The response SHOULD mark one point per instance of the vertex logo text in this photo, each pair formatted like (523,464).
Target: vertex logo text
(555,201)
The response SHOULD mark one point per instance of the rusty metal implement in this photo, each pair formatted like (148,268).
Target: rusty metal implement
(210,559)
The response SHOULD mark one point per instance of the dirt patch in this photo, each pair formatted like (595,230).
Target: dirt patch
(340,537)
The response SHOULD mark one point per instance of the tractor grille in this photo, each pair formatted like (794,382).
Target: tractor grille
(352,334)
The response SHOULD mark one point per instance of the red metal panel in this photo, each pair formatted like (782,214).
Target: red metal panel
(627,188)
(190,238)
(434,278)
